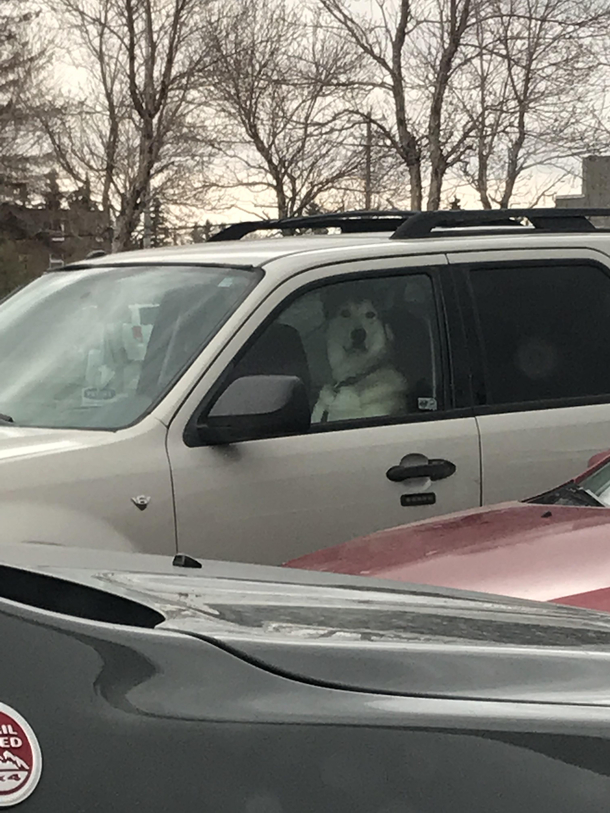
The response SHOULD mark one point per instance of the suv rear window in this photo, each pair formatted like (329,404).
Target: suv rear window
(545,331)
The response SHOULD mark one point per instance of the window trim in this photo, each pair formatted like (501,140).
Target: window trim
(476,347)
(462,361)
(436,274)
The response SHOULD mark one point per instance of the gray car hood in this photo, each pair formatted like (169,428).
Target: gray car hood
(347,632)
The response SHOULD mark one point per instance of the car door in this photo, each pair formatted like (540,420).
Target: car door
(540,324)
(270,499)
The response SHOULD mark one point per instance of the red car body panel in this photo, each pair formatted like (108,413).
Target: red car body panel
(543,552)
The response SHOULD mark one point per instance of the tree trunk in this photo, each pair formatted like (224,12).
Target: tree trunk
(483,178)
(514,151)
(134,200)
(416,186)
(282,201)
(438,168)
(409,145)
(438,159)
(411,152)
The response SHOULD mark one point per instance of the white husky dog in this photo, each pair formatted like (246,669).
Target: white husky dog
(365,384)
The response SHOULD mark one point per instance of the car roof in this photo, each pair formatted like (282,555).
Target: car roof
(248,252)
(321,249)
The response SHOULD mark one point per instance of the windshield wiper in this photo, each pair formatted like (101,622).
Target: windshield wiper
(568,494)
(5,418)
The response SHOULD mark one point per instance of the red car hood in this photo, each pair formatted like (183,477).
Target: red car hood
(543,552)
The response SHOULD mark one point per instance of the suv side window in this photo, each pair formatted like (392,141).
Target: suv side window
(545,331)
(365,348)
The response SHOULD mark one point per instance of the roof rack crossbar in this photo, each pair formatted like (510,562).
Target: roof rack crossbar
(351,221)
(422,224)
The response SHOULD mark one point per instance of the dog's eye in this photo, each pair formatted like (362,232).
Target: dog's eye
(370,314)
(345,313)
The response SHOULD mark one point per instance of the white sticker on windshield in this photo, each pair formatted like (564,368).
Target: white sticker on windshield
(226,282)
(98,396)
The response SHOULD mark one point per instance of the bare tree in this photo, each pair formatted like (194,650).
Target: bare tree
(531,89)
(128,130)
(277,85)
(446,141)
(383,46)
(416,49)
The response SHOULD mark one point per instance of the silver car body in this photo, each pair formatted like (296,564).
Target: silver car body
(141,488)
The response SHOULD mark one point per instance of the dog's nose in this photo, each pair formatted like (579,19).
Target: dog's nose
(358,336)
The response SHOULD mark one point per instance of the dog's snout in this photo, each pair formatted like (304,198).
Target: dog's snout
(358,336)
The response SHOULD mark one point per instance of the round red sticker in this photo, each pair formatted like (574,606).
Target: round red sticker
(20,758)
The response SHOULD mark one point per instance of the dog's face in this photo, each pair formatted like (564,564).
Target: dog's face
(357,339)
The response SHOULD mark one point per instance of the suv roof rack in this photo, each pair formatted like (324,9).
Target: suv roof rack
(349,222)
(423,224)
(407,224)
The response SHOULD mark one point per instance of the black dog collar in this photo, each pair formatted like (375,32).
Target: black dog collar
(349,382)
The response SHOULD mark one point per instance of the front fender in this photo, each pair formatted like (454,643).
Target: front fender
(53,524)
(83,489)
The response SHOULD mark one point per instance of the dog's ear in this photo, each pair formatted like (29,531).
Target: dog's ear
(332,298)
(369,294)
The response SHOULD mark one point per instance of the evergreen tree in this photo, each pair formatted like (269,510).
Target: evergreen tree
(160,233)
(19,64)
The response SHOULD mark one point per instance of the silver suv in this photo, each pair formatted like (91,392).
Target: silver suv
(257,399)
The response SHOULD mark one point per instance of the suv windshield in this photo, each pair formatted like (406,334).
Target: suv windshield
(96,348)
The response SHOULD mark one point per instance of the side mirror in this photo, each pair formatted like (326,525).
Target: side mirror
(257,406)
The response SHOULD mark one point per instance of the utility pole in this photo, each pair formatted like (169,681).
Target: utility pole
(368,149)
(149,67)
